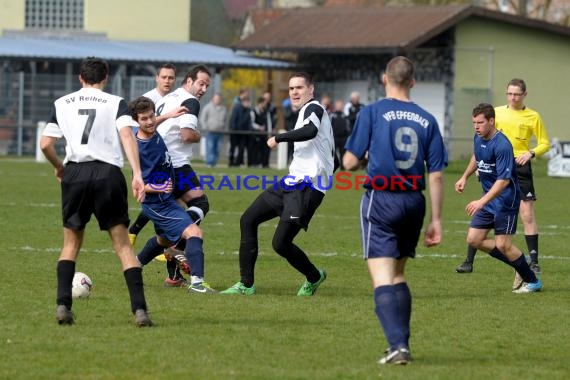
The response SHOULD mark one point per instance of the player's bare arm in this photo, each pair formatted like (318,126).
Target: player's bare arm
(471,168)
(434,231)
(189,135)
(350,161)
(47,145)
(178,111)
(132,152)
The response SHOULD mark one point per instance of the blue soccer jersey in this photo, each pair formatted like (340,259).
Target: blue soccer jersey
(156,166)
(402,140)
(495,160)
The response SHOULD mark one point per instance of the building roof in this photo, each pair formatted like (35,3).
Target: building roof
(370,29)
(25,47)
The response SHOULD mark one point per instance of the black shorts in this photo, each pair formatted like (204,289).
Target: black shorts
(93,187)
(526,184)
(296,205)
(185,179)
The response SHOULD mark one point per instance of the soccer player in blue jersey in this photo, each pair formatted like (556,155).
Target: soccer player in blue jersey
(401,140)
(171,222)
(499,206)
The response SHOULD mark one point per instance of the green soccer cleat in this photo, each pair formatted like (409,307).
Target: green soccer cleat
(240,288)
(308,288)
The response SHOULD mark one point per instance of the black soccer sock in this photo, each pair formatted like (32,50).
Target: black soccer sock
(150,251)
(470,254)
(134,280)
(65,272)
(404,297)
(522,267)
(532,244)
(173,270)
(139,224)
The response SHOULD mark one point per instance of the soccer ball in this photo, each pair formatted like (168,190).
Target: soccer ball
(81,285)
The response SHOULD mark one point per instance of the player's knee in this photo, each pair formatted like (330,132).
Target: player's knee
(473,241)
(162,241)
(193,231)
(198,207)
(281,246)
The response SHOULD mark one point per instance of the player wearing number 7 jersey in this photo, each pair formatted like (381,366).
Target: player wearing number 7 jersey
(401,140)
(95,125)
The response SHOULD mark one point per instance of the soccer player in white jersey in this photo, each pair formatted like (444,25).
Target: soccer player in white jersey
(95,125)
(297,196)
(165,80)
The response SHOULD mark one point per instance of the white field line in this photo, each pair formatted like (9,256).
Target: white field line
(321,254)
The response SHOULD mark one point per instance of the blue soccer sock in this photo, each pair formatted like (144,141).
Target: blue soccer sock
(388,314)
(522,267)
(404,297)
(150,251)
(195,256)
(499,256)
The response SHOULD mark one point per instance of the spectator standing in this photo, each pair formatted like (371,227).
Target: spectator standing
(240,125)
(213,119)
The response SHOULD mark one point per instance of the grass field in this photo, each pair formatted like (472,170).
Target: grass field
(466,326)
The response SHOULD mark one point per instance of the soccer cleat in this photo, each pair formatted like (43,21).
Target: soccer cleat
(179,283)
(400,356)
(535,267)
(142,319)
(201,288)
(308,288)
(518,282)
(132,239)
(63,315)
(530,287)
(180,259)
(465,267)
(240,288)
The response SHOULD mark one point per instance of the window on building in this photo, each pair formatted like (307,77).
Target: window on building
(54,14)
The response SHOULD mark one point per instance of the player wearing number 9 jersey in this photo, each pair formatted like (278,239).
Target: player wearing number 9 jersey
(401,140)
(95,125)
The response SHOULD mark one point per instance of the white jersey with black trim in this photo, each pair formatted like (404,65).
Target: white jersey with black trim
(90,119)
(153,95)
(313,158)
(169,130)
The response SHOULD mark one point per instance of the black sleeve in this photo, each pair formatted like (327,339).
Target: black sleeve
(193,106)
(123,109)
(52,115)
(306,132)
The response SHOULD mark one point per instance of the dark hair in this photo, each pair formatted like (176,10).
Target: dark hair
(168,66)
(140,105)
(302,74)
(485,109)
(400,71)
(193,73)
(93,70)
(518,83)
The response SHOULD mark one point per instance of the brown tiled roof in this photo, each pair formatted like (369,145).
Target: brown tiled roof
(369,29)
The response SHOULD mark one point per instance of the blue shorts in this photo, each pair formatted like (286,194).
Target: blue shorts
(169,219)
(504,223)
(391,223)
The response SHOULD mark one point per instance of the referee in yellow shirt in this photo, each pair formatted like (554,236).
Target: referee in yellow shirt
(519,123)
